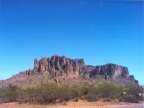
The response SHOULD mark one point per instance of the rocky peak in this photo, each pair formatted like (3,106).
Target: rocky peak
(57,65)
(36,65)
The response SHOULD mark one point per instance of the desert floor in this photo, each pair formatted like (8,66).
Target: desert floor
(79,104)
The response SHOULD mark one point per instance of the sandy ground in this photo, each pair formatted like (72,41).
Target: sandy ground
(80,104)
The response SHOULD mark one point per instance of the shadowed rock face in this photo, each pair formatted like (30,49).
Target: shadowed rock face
(76,68)
(111,70)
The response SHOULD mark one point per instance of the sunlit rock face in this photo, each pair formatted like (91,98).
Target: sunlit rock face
(60,66)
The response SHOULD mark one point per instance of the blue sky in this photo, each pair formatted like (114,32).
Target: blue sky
(99,31)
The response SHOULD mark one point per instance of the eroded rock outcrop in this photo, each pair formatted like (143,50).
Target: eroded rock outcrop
(56,66)
(112,70)
(76,68)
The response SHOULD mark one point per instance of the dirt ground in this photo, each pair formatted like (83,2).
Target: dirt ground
(79,104)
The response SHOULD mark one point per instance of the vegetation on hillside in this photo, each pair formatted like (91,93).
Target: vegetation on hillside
(51,92)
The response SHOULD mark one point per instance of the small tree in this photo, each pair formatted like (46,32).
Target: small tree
(12,93)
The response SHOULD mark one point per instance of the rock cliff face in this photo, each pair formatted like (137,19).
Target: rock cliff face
(58,66)
(112,70)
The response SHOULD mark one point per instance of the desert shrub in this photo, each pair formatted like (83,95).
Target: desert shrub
(140,98)
(47,92)
(90,88)
(77,90)
(120,89)
(10,94)
(2,93)
(135,89)
(30,94)
(50,92)
(109,89)
(91,97)
(64,93)
(94,89)
(130,98)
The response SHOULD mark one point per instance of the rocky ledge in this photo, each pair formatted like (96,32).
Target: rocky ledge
(60,66)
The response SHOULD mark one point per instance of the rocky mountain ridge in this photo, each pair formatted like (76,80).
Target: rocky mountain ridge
(76,68)
(70,71)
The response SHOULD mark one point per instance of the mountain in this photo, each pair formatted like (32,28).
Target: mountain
(70,71)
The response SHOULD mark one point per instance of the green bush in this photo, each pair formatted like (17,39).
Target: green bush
(135,89)
(50,92)
(109,89)
(10,94)
(64,93)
